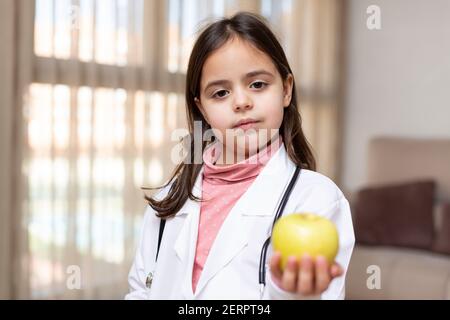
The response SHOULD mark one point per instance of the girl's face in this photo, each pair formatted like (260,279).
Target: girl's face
(240,82)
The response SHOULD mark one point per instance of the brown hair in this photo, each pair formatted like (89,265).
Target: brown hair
(251,28)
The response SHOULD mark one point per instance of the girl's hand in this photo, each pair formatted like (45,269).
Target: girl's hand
(304,277)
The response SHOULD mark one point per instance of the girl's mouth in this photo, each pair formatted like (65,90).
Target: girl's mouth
(245,123)
(247,126)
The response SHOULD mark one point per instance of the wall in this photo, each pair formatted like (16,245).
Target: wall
(397,78)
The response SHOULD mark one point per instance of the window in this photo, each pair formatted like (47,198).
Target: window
(96,125)
(106,91)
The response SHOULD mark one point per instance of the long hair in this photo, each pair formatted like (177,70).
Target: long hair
(248,27)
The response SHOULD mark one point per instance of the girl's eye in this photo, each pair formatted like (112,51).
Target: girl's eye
(220,94)
(258,84)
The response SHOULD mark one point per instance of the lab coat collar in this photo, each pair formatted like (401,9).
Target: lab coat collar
(190,206)
(274,171)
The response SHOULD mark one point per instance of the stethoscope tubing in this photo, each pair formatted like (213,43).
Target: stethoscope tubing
(262,259)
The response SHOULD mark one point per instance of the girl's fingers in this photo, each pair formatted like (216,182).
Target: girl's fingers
(289,278)
(274,266)
(305,277)
(305,283)
(336,270)
(322,274)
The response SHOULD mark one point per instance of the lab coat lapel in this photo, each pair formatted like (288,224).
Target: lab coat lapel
(185,243)
(261,199)
(231,239)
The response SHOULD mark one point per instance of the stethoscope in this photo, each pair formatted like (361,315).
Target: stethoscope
(262,259)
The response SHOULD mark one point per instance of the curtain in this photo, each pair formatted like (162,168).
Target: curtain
(311,33)
(7,61)
(99,93)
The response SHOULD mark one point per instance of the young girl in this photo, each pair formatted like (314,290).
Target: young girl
(219,212)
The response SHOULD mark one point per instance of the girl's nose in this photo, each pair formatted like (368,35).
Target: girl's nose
(242,101)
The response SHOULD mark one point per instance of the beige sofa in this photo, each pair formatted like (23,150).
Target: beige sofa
(404,273)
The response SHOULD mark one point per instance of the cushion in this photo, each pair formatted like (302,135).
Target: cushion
(396,215)
(442,238)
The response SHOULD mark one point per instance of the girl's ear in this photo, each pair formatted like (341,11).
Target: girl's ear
(199,106)
(197,102)
(287,90)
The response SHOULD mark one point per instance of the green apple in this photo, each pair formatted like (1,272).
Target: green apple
(305,233)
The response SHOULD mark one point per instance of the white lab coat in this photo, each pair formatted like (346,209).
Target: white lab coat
(231,268)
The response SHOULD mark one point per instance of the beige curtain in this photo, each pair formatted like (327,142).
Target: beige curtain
(97,96)
(311,33)
(7,27)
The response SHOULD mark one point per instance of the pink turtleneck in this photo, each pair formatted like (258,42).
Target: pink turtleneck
(221,188)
